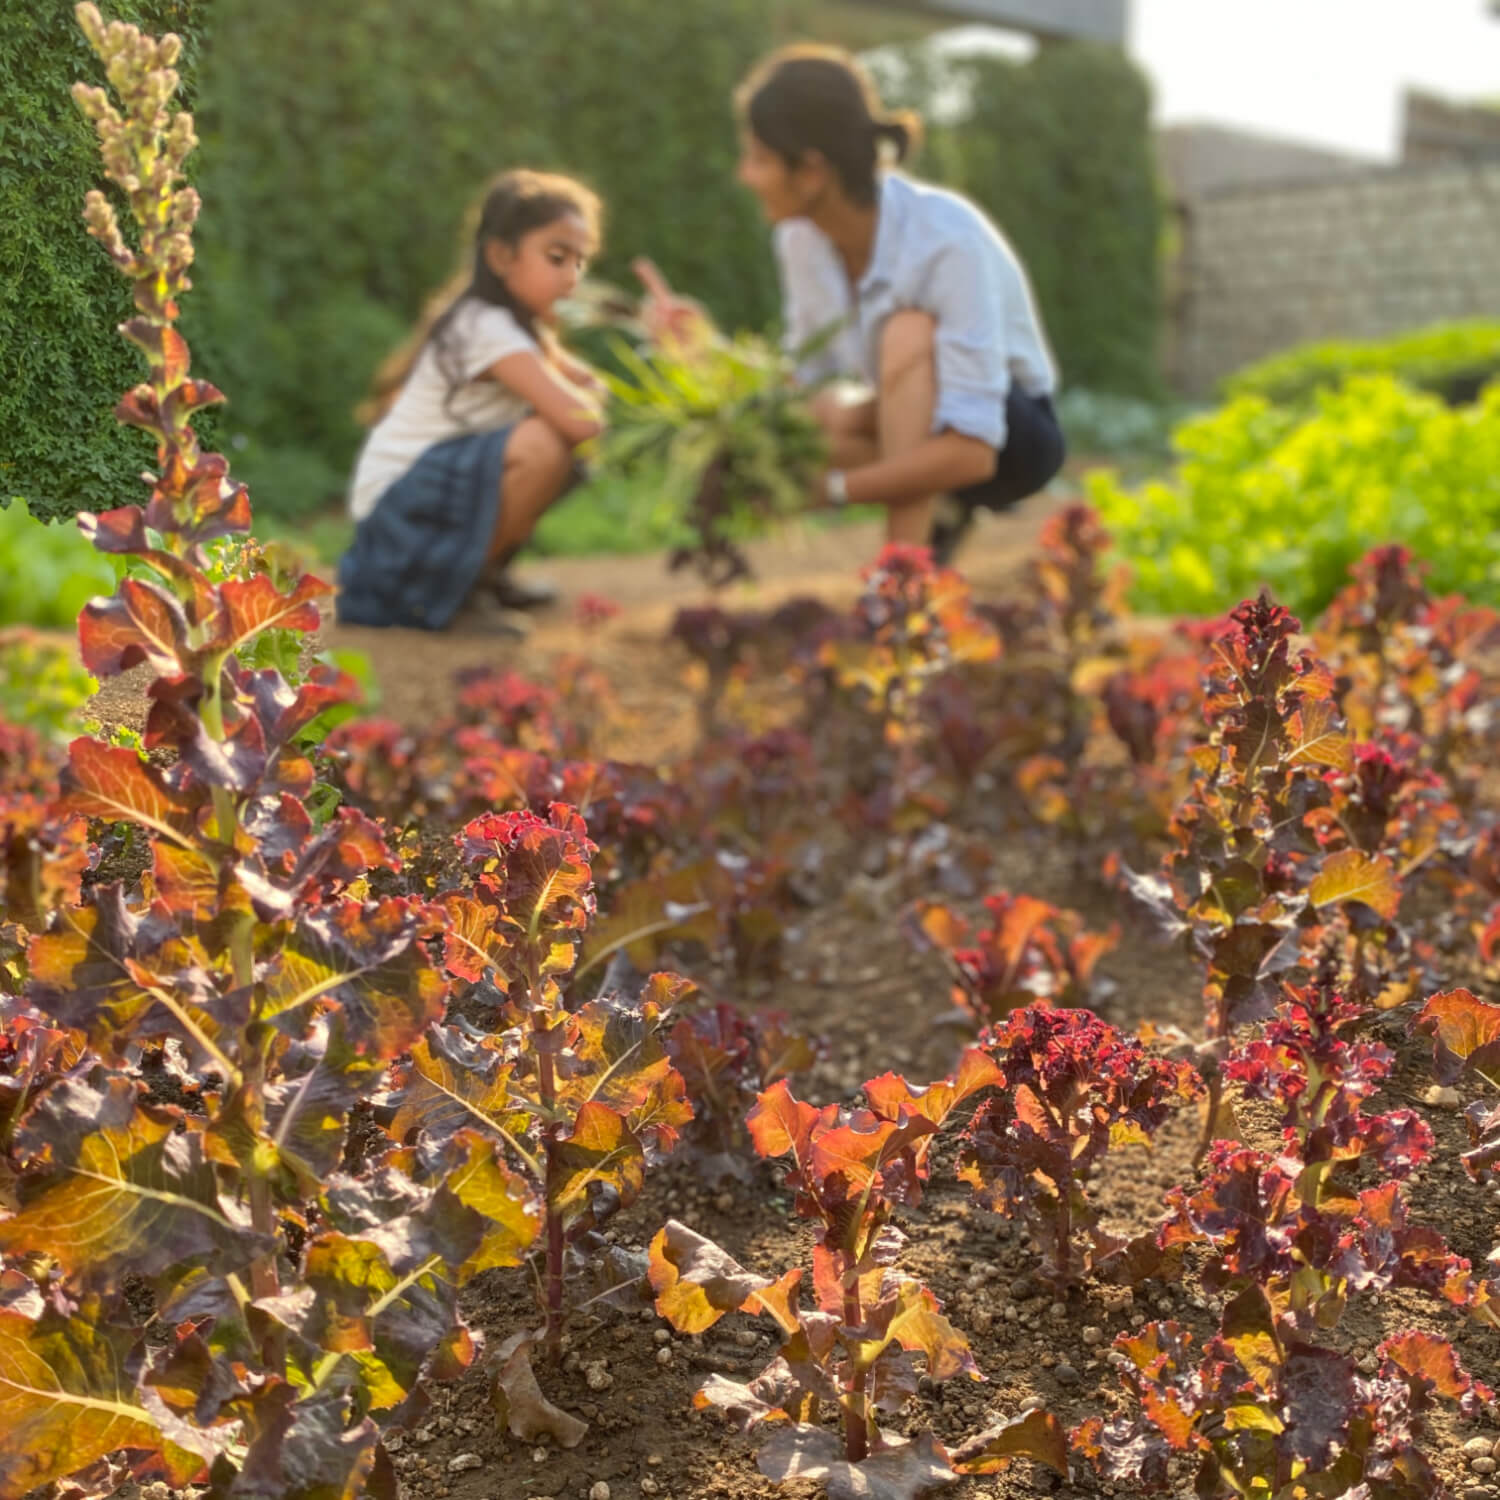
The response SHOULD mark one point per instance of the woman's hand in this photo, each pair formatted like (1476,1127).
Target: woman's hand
(675,323)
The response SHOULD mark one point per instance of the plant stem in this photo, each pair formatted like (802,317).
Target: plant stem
(1065,1231)
(857,1417)
(547,1085)
(1210,1118)
(265,1278)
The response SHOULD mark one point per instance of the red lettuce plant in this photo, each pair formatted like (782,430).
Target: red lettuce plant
(1412,664)
(1288,1223)
(1267,1414)
(727,1058)
(852,1351)
(1465,1032)
(578,1102)
(1309,1254)
(1235,881)
(1071,1090)
(1031,951)
(913,626)
(1078,604)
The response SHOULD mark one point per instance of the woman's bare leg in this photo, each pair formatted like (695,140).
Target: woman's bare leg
(906,400)
(850,426)
(538,465)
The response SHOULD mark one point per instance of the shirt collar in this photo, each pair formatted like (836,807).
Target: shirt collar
(894,200)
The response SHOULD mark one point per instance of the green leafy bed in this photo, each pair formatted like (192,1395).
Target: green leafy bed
(1290,497)
(47,573)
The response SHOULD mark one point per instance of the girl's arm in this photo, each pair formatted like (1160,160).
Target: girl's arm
(581,374)
(576,413)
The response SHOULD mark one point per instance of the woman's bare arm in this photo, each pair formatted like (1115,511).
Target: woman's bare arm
(947,461)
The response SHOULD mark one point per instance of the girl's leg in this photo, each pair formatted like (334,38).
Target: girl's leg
(907,397)
(538,465)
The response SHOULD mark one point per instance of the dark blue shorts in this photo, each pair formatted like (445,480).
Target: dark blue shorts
(416,556)
(1031,458)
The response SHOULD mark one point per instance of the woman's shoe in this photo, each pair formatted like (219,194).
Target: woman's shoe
(952,521)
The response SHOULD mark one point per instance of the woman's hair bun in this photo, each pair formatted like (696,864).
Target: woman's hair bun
(903,129)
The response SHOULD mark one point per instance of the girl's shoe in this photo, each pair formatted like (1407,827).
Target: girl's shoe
(510,592)
(482,614)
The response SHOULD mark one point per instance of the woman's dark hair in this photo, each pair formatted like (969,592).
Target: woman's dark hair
(810,98)
(514,204)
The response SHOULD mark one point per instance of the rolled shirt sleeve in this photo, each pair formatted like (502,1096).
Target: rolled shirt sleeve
(967,298)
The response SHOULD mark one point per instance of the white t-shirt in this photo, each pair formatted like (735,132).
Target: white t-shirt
(425,414)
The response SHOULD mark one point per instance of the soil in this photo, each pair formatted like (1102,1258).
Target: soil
(852,976)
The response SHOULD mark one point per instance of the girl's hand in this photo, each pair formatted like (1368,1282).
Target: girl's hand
(675,323)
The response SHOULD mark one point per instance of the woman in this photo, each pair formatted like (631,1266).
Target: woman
(932,308)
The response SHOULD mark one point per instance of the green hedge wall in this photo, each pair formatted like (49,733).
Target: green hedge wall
(1058,151)
(343,142)
(62,366)
(1454,360)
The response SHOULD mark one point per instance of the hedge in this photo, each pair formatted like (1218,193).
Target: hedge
(1452,360)
(62,366)
(1058,151)
(337,170)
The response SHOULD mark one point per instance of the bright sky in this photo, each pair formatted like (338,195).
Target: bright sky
(1327,72)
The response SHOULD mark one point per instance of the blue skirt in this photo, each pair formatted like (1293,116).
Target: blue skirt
(415,557)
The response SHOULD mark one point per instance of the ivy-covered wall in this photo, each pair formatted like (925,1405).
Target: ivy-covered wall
(62,366)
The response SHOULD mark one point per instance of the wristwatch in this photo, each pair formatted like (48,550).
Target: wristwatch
(837,486)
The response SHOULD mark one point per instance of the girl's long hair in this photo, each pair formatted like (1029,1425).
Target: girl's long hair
(514,204)
(813,98)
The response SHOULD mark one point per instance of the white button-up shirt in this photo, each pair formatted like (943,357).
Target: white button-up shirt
(936,252)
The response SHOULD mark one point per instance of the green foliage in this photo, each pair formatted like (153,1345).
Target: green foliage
(42,687)
(47,572)
(1100,424)
(612,513)
(61,367)
(1273,495)
(1058,151)
(390,118)
(729,436)
(1451,359)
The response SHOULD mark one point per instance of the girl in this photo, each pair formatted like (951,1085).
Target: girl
(479,438)
(933,309)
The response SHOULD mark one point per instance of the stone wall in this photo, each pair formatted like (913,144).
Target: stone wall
(1199,158)
(1437,129)
(1267,266)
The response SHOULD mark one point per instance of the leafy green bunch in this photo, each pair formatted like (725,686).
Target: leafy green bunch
(735,439)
